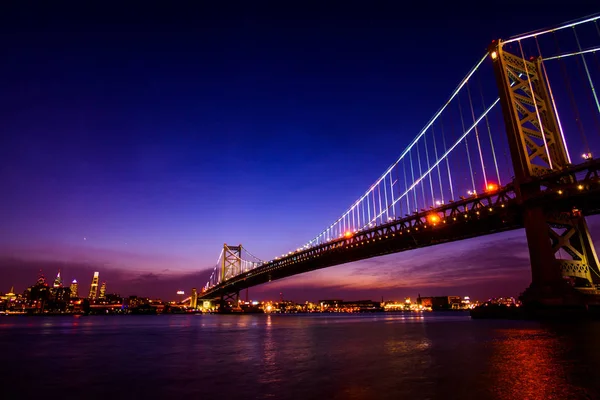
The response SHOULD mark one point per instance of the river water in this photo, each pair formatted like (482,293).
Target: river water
(312,356)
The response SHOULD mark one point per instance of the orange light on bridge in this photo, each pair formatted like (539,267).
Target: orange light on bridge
(348,234)
(491,187)
(434,218)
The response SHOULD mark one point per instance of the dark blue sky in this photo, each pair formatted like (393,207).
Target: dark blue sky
(137,139)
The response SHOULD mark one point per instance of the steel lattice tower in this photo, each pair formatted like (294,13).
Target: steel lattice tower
(537,148)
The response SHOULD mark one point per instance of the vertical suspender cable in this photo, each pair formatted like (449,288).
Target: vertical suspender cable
(562,134)
(368,200)
(462,122)
(420,174)
(405,188)
(374,208)
(380,213)
(435,152)
(477,137)
(412,173)
(448,163)
(587,72)
(430,177)
(392,192)
(487,123)
(574,107)
(387,213)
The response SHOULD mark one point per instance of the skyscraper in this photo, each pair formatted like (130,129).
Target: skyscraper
(194,299)
(74,287)
(103,290)
(94,286)
(58,280)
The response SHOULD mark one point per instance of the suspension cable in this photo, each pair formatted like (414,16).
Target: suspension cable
(438,167)
(447,160)
(587,72)
(420,172)
(412,173)
(430,177)
(462,122)
(477,137)
(487,123)
(574,107)
(562,134)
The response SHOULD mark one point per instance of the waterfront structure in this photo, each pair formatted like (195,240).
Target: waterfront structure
(74,289)
(94,286)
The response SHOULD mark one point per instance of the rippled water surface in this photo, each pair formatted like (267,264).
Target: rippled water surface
(375,356)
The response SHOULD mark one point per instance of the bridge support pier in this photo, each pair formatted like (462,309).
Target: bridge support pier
(229,303)
(537,149)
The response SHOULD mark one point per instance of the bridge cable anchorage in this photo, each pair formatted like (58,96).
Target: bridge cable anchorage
(547,81)
(574,107)
(435,152)
(456,143)
(587,72)
(537,110)
(448,160)
(487,123)
(430,177)
(591,18)
(485,181)
(462,122)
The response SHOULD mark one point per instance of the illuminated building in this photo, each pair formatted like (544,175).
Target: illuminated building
(94,286)
(103,290)
(58,280)
(74,287)
(194,299)
(10,296)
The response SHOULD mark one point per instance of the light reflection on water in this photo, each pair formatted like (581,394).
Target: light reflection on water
(376,356)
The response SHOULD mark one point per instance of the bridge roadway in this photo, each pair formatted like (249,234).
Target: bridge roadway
(479,215)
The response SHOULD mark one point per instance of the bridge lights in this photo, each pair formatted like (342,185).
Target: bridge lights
(492,187)
(433,218)
(560,192)
(580,187)
(494,55)
(348,234)
(587,156)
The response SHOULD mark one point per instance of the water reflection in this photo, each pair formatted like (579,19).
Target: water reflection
(532,364)
(385,356)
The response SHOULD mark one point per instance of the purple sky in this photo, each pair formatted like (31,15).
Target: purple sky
(136,143)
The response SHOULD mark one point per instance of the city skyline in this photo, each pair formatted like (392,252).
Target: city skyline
(115,159)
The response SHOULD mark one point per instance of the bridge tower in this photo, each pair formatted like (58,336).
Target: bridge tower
(537,147)
(231,265)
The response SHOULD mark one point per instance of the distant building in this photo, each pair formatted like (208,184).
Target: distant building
(330,305)
(58,280)
(194,299)
(103,290)
(94,286)
(74,289)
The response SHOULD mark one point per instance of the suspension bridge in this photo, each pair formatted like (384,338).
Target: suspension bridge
(511,148)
